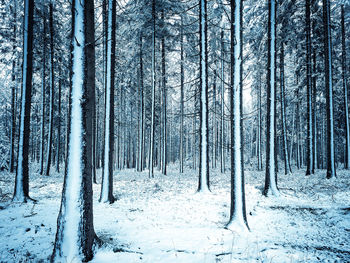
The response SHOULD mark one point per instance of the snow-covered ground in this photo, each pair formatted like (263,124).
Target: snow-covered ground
(163,220)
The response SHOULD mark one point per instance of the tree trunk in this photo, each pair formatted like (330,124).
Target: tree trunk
(345,88)
(329,90)
(222,130)
(238,218)
(52,87)
(21,193)
(151,149)
(182,76)
(164,104)
(309,144)
(75,230)
(287,168)
(13,93)
(107,172)
(270,176)
(58,152)
(203,184)
(43,101)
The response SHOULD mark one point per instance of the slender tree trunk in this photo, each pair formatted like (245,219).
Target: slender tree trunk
(238,218)
(203,184)
(141,114)
(214,122)
(182,76)
(164,145)
(259,152)
(287,168)
(58,150)
(52,87)
(329,89)
(270,177)
(13,93)
(107,172)
(151,149)
(309,145)
(345,88)
(314,113)
(21,192)
(43,101)
(222,130)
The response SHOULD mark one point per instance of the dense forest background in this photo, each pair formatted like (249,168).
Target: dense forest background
(91,89)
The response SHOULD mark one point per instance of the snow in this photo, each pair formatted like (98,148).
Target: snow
(164,220)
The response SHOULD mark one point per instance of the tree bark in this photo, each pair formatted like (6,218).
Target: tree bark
(203,184)
(329,89)
(107,172)
(21,192)
(270,176)
(75,230)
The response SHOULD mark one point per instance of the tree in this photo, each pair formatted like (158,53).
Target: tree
(107,172)
(309,147)
(287,168)
(270,175)
(151,146)
(238,216)
(75,234)
(52,87)
(203,184)
(13,92)
(345,88)
(21,193)
(329,89)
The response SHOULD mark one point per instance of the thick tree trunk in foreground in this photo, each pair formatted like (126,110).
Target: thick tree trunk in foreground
(75,230)
(21,193)
(238,218)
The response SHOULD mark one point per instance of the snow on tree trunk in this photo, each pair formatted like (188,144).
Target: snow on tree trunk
(238,218)
(329,89)
(21,193)
(270,176)
(75,231)
(345,88)
(203,184)
(107,172)
(309,146)
(259,153)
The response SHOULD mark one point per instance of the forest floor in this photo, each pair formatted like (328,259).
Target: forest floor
(164,220)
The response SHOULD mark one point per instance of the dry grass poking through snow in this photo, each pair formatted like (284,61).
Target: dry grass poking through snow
(163,220)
